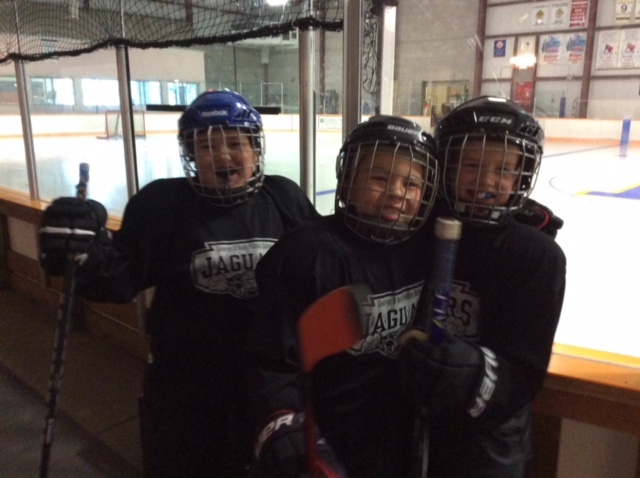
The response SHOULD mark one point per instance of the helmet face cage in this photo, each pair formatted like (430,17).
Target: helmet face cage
(222,147)
(369,167)
(481,182)
(490,150)
(213,142)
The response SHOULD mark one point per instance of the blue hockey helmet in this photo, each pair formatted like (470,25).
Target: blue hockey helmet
(221,111)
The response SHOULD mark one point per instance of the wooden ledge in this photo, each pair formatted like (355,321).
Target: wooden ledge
(18,204)
(597,355)
(592,386)
(618,372)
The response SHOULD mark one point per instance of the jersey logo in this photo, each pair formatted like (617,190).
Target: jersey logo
(386,316)
(229,267)
(463,319)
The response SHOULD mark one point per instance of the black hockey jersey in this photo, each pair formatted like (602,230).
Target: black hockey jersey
(508,292)
(507,295)
(201,259)
(358,400)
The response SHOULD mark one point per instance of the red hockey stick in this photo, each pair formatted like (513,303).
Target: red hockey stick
(330,325)
(65,312)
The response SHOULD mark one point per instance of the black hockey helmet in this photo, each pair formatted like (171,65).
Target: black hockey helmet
(403,139)
(488,121)
(221,110)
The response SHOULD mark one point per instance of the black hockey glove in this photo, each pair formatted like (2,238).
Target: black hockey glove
(449,378)
(281,451)
(539,216)
(70,226)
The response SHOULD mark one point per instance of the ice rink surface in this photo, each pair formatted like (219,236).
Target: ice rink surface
(590,185)
(595,190)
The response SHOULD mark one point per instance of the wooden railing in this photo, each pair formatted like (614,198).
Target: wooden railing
(588,386)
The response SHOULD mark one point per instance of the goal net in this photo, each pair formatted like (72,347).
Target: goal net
(113,124)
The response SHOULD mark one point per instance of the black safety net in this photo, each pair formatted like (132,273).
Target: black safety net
(39,29)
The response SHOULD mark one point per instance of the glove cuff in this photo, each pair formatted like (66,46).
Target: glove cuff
(278,423)
(487,386)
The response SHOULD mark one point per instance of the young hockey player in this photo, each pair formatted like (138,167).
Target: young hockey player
(506,300)
(197,241)
(386,187)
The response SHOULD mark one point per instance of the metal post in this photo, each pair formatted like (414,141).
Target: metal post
(128,136)
(27,133)
(25,115)
(307,114)
(130,158)
(352,66)
(387,58)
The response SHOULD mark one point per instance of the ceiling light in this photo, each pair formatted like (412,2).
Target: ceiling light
(523,61)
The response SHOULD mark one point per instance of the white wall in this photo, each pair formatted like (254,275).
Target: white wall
(434,42)
(550,93)
(615,97)
(588,451)
(152,64)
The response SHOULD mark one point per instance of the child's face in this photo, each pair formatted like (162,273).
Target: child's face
(388,185)
(225,158)
(487,175)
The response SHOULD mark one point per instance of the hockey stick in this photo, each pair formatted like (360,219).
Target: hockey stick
(329,326)
(448,232)
(65,312)
(433,306)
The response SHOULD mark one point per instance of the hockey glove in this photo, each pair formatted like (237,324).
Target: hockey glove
(449,378)
(70,226)
(281,451)
(539,216)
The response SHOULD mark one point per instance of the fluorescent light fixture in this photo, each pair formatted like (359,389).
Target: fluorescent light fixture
(277,3)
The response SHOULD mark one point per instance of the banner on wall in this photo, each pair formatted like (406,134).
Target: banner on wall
(524,94)
(578,17)
(539,16)
(527,45)
(500,48)
(623,10)
(551,49)
(576,46)
(560,14)
(607,52)
(629,56)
